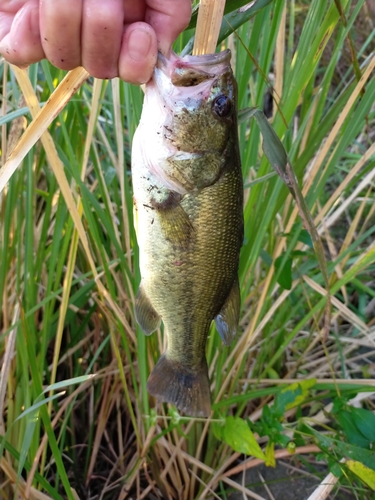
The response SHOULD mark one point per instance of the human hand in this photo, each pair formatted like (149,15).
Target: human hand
(108,38)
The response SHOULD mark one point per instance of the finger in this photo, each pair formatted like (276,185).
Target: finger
(134,11)
(11,6)
(138,53)
(168,18)
(22,46)
(60,27)
(6,21)
(102,30)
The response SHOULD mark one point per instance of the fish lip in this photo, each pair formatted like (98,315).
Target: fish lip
(208,59)
(192,61)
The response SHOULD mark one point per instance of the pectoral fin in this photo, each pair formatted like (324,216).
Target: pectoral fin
(174,221)
(227,320)
(176,226)
(147,318)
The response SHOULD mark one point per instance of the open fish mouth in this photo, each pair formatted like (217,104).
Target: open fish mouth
(194,61)
(190,71)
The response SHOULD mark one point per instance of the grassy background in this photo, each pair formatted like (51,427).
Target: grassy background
(75,415)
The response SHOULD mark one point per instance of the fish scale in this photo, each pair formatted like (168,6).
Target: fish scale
(188,194)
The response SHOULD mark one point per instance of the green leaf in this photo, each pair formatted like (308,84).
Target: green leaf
(284,269)
(358,424)
(305,238)
(293,395)
(329,445)
(272,147)
(365,421)
(238,435)
(351,431)
(364,473)
(334,467)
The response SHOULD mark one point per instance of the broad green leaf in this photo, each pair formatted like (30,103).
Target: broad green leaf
(358,424)
(335,468)
(365,421)
(293,395)
(329,445)
(238,435)
(304,385)
(244,115)
(305,238)
(351,431)
(364,473)
(285,268)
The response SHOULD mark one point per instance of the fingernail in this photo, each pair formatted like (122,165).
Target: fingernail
(34,22)
(139,43)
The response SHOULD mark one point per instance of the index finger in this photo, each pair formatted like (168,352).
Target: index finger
(8,8)
(168,18)
(11,6)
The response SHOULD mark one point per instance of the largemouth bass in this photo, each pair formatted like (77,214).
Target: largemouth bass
(188,198)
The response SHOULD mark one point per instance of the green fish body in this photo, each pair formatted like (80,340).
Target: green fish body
(188,211)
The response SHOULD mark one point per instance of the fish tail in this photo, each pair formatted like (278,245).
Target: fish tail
(188,389)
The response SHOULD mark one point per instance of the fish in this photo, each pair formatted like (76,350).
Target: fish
(188,215)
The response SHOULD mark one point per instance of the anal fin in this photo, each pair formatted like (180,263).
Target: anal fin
(145,314)
(227,320)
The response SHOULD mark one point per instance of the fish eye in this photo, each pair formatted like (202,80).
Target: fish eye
(222,106)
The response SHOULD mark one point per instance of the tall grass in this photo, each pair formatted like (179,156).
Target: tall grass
(76,418)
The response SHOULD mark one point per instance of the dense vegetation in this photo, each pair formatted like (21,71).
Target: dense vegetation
(76,419)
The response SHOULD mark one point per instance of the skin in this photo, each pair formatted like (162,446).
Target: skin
(109,39)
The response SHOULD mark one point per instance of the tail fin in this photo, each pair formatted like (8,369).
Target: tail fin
(188,390)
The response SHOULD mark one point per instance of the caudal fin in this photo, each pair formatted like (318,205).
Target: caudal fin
(188,390)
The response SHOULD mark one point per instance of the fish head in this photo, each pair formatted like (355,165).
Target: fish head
(189,115)
(198,101)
